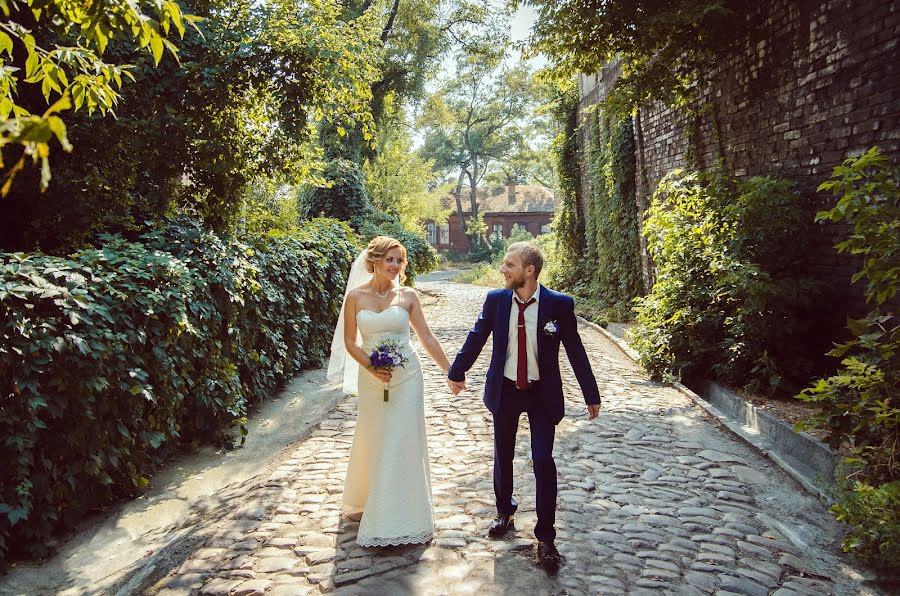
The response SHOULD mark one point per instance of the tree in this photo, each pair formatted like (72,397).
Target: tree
(665,47)
(471,122)
(69,68)
(415,36)
(399,180)
(529,159)
(239,112)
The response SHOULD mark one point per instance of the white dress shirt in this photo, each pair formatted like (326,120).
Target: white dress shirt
(510,371)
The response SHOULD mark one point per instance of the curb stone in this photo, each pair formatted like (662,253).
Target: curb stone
(773,439)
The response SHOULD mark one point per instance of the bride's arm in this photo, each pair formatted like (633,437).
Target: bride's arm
(354,350)
(423,332)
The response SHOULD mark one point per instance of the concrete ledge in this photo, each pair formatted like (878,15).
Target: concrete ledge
(800,455)
(805,453)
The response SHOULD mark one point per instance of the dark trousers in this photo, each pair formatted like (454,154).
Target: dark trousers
(506,422)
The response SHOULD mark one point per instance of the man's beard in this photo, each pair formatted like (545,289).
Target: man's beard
(514,283)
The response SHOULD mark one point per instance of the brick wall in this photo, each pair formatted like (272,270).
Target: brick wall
(810,84)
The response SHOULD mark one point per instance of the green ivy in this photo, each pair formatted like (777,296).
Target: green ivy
(112,358)
(730,291)
(612,269)
(568,225)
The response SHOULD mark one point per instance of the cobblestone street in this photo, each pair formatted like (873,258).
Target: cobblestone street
(653,498)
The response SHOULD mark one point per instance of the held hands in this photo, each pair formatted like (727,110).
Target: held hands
(456,386)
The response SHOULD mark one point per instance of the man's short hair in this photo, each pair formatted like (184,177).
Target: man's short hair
(531,255)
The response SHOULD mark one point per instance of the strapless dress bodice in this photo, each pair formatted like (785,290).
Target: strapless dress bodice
(391,323)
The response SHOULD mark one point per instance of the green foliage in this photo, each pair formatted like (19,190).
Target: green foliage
(343,197)
(69,72)
(730,292)
(399,179)
(476,228)
(664,47)
(498,245)
(268,208)
(873,515)
(421,255)
(858,405)
(112,358)
(472,122)
(482,274)
(599,248)
(569,224)
(200,136)
(415,36)
(611,267)
(867,193)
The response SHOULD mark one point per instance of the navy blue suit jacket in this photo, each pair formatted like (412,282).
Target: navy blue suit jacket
(494,318)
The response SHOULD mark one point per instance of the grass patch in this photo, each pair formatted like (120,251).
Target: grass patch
(483,274)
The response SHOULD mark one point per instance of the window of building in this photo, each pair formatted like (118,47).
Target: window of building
(431,229)
(523,225)
(445,234)
(497,231)
(545,229)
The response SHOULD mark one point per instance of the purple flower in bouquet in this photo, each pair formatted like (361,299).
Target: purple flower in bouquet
(388,356)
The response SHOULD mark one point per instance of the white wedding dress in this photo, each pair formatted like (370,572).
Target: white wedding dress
(388,477)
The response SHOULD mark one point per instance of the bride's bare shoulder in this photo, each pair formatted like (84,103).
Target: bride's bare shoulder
(357,293)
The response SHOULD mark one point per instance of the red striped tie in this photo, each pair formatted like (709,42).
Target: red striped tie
(522,364)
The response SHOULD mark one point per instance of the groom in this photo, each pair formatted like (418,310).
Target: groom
(528,322)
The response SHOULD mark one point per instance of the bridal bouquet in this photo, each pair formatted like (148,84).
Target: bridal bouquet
(389,356)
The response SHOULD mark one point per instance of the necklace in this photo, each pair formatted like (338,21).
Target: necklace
(383,296)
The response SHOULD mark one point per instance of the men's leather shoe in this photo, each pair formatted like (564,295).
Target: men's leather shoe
(500,525)
(547,556)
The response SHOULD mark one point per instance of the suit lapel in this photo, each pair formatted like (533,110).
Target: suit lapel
(543,309)
(502,325)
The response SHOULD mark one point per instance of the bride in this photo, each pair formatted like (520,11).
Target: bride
(388,478)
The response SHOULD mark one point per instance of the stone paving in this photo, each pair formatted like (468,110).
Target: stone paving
(653,499)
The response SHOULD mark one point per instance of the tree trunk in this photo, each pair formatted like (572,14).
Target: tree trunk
(473,196)
(459,209)
(386,32)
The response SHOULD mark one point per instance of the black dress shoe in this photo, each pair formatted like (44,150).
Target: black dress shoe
(547,556)
(500,525)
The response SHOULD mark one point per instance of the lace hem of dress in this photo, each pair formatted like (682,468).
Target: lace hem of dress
(397,540)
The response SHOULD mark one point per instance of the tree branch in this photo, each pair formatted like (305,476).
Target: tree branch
(386,32)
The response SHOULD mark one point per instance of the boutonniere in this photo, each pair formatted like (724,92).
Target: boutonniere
(551,328)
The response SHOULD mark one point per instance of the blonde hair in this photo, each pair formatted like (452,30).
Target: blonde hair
(378,247)
(531,255)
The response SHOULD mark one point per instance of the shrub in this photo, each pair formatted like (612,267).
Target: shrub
(344,198)
(873,515)
(113,357)
(858,405)
(729,294)
(482,274)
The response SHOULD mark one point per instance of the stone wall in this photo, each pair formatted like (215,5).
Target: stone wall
(808,85)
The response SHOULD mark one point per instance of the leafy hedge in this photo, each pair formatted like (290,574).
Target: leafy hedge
(113,357)
(730,286)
